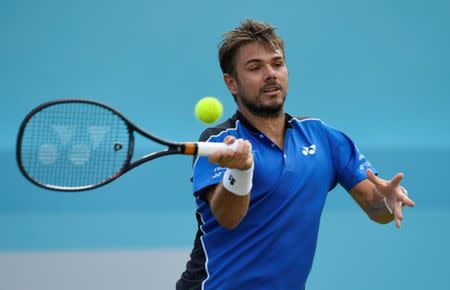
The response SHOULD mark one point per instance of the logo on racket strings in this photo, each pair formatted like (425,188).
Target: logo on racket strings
(77,151)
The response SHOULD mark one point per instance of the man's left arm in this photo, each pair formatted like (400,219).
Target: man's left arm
(382,200)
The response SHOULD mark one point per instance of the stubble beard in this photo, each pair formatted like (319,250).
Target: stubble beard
(259,110)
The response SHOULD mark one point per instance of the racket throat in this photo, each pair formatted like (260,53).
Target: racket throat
(189,148)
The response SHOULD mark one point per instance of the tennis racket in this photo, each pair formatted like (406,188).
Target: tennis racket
(75,144)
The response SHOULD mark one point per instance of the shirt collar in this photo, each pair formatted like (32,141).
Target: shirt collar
(241,118)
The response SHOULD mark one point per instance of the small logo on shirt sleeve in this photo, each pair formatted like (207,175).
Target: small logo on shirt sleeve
(364,164)
(218,171)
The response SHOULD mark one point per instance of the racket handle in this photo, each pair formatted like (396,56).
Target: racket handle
(208,148)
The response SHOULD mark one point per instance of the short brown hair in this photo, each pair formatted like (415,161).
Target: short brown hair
(249,31)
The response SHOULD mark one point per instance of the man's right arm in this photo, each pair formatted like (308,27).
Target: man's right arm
(230,207)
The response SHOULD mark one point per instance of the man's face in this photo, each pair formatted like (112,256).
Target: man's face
(261,80)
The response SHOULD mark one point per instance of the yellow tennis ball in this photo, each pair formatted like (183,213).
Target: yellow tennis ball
(208,110)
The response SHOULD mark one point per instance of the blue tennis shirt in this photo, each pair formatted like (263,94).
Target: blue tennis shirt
(274,245)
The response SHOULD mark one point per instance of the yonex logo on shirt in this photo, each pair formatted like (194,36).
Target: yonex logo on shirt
(310,150)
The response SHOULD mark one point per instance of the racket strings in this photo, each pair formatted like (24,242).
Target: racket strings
(74,145)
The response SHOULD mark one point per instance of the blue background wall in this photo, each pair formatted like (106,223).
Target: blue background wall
(378,70)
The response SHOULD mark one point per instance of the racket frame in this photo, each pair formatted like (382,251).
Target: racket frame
(190,148)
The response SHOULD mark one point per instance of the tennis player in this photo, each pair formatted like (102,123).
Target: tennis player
(259,207)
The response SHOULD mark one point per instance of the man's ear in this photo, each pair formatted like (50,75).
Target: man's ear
(231,84)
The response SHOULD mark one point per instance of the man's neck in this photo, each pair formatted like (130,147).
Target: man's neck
(272,127)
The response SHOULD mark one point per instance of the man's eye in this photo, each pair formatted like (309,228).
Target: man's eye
(253,68)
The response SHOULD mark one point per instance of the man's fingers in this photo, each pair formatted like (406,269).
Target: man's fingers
(373,178)
(407,201)
(239,158)
(395,181)
(398,223)
(229,139)
(228,156)
(398,211)
(242,152)
(247,157)
(215,157)
(243,158)
(398,215)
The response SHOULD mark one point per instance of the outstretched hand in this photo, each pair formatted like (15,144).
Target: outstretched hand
(396,196)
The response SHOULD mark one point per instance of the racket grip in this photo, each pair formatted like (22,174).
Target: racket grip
(208,148)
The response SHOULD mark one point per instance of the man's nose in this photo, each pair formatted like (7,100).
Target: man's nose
(271,73)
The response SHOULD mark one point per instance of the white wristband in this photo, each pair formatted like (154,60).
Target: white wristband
(238,181)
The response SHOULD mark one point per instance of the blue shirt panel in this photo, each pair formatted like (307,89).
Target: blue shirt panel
(274,245)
